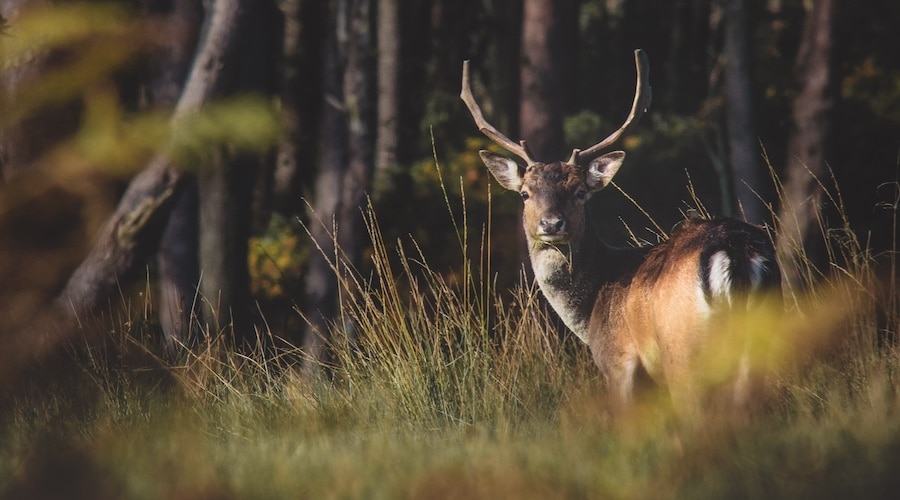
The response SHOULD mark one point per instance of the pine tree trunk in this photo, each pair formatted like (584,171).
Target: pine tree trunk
(541,115)
(287,164)
(388,95)
(178,250)
(345,172)
(744,155)
(801,244)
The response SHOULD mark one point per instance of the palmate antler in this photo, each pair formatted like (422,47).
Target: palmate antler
(642,98)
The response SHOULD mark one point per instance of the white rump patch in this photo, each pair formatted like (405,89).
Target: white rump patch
(720,275)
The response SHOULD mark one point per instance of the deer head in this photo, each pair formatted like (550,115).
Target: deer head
(555,193)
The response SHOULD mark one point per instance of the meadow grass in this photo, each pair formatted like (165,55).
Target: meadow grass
(448,388)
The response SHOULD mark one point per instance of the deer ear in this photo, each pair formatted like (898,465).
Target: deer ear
(601,170)
(506,171)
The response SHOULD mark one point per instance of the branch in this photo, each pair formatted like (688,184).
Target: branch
(132,233)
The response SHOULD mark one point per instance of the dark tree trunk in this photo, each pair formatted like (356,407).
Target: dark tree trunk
(413,82)
(744,155)
(226,188)
(506,66)
(178,269)
(345,170)
(807,147)
(177,255)
(357,46)
(287,164)
(542,99)
(224,201)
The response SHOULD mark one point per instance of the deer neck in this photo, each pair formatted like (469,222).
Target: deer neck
(572,276)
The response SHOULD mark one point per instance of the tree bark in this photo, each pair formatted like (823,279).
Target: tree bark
(121,243)
(177,255)
(801,247)
(131,235)
(287,163)
(178,269)
(225,192)
(541,115)
(744,155)
(505,65)
(388,95)
(320,302)
(345,172)
(226,187)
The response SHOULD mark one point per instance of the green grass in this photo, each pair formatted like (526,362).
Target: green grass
(452,389)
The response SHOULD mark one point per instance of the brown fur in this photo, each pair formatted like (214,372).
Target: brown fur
(646,316)
(661,321)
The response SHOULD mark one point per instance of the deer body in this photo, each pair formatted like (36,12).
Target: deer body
(646,314)
(677,300)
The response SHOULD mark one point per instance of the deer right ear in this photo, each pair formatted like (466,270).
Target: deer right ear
(601,170)
(506,171)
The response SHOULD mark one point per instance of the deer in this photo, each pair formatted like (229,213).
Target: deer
(645,313)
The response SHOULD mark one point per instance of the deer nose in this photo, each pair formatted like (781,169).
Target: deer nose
(552,225)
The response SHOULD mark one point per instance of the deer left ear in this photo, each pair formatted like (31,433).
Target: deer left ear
(506,171)
(601,170)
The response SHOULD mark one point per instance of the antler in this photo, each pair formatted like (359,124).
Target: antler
(642,97)
(521,150)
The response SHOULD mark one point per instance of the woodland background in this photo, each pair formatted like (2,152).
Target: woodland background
(190,153)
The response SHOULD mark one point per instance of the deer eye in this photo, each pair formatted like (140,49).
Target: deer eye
(524,195)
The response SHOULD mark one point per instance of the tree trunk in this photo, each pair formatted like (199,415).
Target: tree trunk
(224,229)
(132,233)
(345,171)
(541,115)
(287,163)
(744,155)
(801,246)
(121,244)
(388,95)
(178,269)
(359,78)
(505,65)
(226,188)
(177,255)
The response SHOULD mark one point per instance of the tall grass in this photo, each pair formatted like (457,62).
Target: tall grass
(450,388)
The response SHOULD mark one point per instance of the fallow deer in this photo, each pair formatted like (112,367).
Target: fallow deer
(646,314)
